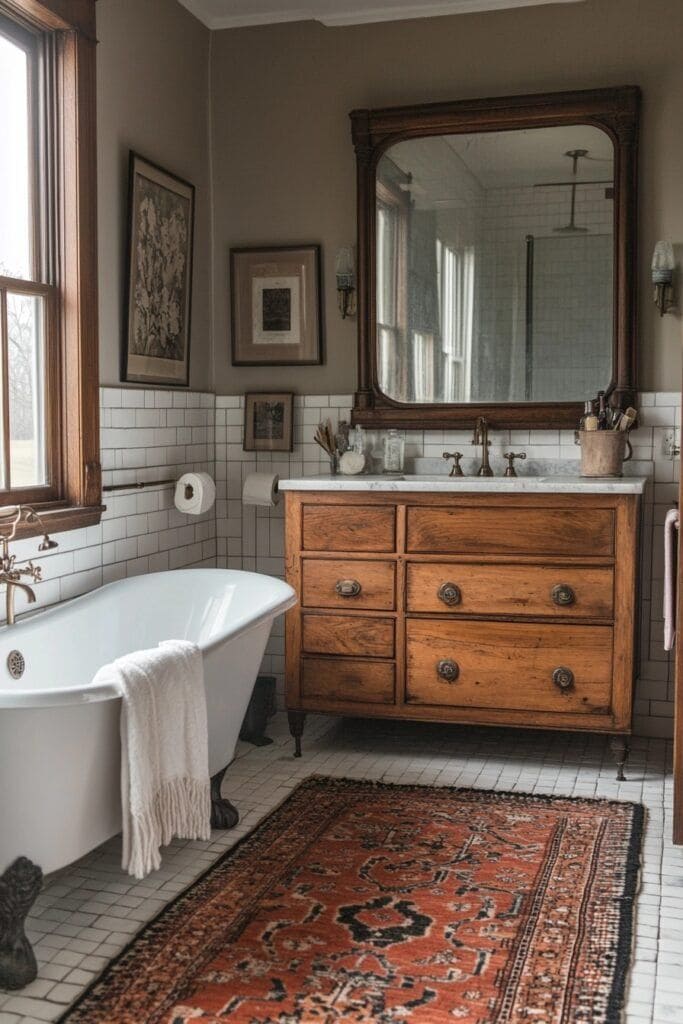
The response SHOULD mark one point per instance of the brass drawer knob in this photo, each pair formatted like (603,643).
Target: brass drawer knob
(348,588)
(563,678)
(563,595)
(449,593)
(448,670)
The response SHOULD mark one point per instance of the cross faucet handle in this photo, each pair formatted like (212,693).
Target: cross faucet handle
(511,456)
(456,468)
(34,571)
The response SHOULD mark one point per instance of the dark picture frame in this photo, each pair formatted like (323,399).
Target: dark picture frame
(269,421)
(158,312)
(276,306)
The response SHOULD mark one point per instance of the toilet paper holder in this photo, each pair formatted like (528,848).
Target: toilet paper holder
(189,489)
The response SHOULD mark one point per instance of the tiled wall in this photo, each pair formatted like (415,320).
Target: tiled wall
(145,435)
(252,538)
(153,434)
(572,340)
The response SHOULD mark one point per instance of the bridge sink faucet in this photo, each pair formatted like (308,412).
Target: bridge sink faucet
(481,436)
(10,575)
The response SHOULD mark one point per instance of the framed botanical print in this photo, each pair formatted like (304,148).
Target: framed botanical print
(276,306)
(268,422)
(159,282)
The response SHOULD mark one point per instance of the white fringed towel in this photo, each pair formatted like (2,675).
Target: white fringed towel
(670,548)
(165,786)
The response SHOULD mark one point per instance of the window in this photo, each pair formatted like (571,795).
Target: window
(49,446)
(456,298)
(27,303)
(423,366)
(391,284)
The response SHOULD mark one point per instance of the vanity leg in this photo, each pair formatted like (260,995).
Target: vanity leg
(620,750)
(296,727)
(223,814)
(19,887)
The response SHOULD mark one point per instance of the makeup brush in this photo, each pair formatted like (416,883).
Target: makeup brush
(628,419)
(324,436)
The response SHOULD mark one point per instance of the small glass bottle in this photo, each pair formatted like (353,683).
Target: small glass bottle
(394,452)
(589,421)
(603,423)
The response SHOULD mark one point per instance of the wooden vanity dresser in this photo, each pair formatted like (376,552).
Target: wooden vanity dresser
(508,609)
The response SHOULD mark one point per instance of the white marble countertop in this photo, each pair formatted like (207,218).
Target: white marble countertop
(444,484)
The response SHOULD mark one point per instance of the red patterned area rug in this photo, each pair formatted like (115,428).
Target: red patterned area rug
(383,904)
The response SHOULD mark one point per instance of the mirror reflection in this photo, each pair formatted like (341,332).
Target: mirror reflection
(494,266)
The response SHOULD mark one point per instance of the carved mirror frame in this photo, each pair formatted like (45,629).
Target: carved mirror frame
(615,111)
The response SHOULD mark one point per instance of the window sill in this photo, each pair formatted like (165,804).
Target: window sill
(60,520)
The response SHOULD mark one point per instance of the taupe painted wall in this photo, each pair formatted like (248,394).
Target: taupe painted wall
(284,164)
(152,97)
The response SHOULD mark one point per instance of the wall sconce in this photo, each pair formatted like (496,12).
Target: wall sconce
(346,282)
(663,264)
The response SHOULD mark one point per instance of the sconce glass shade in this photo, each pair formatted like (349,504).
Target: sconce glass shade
(663,263)
(346,281)
(346,268)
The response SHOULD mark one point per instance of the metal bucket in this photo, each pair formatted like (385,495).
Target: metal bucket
(603,452)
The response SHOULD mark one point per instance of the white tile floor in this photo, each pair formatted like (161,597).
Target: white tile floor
(87,913)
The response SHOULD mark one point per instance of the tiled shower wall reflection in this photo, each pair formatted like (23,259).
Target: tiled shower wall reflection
(249,538)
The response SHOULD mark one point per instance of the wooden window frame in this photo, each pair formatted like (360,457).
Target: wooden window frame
(74,499)
(397,201)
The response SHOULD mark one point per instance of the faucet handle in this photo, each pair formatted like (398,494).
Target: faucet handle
(34,571)
(456,468)
(511,456)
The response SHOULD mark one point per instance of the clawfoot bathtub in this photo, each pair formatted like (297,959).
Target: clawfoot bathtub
(59,735)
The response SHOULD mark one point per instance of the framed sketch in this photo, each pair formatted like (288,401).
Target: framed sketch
(276,306)
(268,422)
(159,282)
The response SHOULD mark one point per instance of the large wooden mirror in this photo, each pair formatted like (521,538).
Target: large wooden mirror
(496,259)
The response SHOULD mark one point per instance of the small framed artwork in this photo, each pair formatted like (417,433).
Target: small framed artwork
(268,422)
(159,281)
(276,306)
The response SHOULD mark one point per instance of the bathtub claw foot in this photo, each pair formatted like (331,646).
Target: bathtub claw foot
(224,815)
(19,887)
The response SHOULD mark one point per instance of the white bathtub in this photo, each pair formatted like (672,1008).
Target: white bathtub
(59,735)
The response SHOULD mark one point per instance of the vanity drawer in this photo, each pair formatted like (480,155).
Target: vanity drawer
(349,527)
(347,679)
(509,665)
(351,635)
(328,583)
(469,589)
(511,531)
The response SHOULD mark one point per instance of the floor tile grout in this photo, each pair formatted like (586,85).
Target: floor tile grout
(89,911)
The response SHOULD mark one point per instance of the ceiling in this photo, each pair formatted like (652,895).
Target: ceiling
(448,169)
(218,14)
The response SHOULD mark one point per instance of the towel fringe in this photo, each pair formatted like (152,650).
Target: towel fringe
(181,808)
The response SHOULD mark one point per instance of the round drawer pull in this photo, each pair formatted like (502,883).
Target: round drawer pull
(563,595)
(448,670)
(348,588)
(563,678)
(449,593)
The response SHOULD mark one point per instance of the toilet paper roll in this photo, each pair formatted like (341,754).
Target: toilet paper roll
(195,493)
(261,489)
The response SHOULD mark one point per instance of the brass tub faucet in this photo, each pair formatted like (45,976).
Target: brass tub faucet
(9,574)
